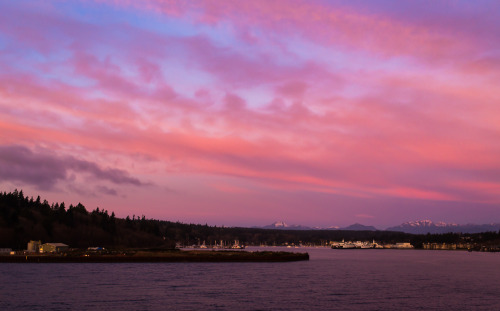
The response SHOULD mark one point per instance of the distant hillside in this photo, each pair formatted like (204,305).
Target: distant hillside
(24,218)
(427,226)
(360,227)
(413,227)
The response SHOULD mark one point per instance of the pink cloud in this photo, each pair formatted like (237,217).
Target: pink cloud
(383,113)
(387,35)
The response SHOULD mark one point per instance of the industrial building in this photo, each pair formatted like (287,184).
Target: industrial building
(34,246)
(53,248)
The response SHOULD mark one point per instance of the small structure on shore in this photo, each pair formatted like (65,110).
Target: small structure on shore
(34,246)
(53,248)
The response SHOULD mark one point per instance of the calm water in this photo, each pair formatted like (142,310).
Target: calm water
(331,280)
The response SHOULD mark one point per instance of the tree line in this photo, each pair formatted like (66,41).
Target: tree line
(24,218)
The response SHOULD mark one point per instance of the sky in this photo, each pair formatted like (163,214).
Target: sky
(242,113)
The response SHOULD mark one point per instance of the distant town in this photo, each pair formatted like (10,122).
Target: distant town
(37,247)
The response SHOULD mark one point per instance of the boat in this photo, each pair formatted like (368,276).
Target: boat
(237,245)
(354,245)
(348,245)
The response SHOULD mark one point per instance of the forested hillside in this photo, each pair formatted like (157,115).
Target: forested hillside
(24,218)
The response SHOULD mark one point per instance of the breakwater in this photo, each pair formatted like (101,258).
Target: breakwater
(173,256)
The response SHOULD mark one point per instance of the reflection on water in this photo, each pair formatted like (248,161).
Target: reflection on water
(332,279)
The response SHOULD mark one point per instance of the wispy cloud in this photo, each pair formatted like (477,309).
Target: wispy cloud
(383,101)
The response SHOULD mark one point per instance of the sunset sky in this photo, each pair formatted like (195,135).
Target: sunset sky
(242,113)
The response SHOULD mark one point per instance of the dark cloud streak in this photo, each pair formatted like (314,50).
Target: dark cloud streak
(44,169)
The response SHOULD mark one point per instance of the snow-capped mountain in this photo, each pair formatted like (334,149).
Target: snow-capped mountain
(415,227)
(427,226)
(284,226)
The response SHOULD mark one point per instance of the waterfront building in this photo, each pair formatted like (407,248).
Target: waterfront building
(442,246)
(34,246)
(53,248)
(403,245)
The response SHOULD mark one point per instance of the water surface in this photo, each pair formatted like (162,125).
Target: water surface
(331,280)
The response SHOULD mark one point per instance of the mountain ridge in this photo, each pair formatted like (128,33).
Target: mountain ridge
(413,227)
(281,225)
(427,226)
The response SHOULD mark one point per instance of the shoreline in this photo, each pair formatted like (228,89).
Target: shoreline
(173,256)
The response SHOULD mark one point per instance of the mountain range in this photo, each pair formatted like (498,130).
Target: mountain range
(414,227)
(427,226)
(284,226)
